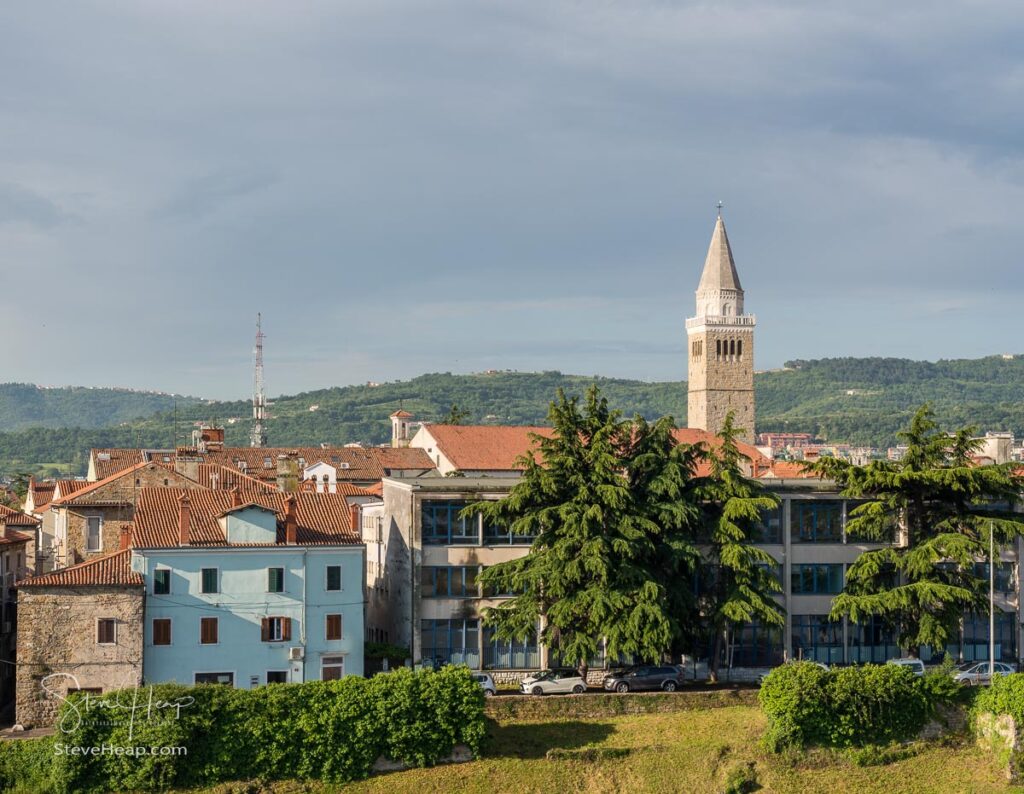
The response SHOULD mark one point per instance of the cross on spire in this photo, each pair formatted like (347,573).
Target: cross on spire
(720,205)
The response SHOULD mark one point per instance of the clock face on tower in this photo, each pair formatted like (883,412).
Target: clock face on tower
(721,345)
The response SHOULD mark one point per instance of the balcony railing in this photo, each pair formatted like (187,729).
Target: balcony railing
(722,319)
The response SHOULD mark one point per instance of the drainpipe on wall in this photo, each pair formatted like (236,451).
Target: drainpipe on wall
(302,632)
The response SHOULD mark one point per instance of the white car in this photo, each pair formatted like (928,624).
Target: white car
(486,683)
(977,674)
(916,665)
(554,682)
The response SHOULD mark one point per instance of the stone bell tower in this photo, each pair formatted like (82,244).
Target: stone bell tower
(721,343)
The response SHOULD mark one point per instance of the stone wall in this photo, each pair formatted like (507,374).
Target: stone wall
(529,707)
(57,637)
(999,734)
(720,385)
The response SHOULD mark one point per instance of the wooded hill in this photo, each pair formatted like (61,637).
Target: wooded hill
(857,400)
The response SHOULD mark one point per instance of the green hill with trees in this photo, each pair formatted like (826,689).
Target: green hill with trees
(857,400)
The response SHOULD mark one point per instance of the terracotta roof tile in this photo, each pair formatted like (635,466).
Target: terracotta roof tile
(484,447)
(788,469)
(42,493)
(15,518)
(323,519)
(110,461)
(110,569)
(68,487)
(402,458)
(92,487)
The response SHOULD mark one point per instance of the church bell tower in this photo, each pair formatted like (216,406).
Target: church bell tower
(721,344)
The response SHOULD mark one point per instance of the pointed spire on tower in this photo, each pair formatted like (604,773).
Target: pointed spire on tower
(719,266)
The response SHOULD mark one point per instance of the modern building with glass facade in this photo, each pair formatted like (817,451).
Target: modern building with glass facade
(432,557)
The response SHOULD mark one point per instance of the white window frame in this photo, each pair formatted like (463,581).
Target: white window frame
(232,673)
(341,632)
(277,620)
(152,634)
(335,660)
(217,585)
(169,588)
(97,635)
(99,532)
(341,578)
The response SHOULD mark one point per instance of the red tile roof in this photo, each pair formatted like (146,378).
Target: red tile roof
(111,461)
(402,458)
(68,487)
(15,518)
(401,413)
(694,435)
(787,469)
(484,447)
(216,476)
(322,519)
(110,569)
(92,487)
(42,493)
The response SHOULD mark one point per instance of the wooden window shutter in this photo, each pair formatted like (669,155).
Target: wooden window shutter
(265,630)
(286,629)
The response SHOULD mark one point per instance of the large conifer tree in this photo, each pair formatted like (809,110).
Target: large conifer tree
(938,503)
(738,583)
(611,505)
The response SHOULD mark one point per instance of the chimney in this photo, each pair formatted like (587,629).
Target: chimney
(288,472)
(184,521)
(236,497)
(353,517)
(126,538)
(291,522)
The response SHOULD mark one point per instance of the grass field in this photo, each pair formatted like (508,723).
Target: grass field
(678,752)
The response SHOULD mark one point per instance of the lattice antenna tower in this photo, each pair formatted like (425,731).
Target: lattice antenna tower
(258,436)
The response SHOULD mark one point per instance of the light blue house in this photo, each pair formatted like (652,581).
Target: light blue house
(249,593)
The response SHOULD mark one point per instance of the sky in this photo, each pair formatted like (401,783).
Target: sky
(408,187)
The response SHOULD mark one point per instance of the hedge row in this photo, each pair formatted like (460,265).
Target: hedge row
(331,731)
(874,704)
(1005,696)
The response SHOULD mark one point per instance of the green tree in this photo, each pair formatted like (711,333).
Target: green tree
(941,503)
(455,416)
(612,510)
(739,583)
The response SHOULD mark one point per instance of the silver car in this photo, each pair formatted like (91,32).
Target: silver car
(554,682)
(977,674)
(486,683)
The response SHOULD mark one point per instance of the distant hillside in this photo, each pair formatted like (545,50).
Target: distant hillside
(858,400)
(25,405)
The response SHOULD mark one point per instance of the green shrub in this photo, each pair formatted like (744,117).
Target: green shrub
(1004,696)
(26,765)
(847,707)
(332,731)
(940,682)
(742,778)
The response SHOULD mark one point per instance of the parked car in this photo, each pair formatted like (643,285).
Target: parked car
(487,683)
(977,674)
(916,665)
(635,679)
(553,682)
(822,665)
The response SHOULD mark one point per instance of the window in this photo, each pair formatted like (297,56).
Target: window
(449,581)
(816,579)
(208,630)
(769,528)
(1004,578)
(277,676)
(161,631)
(332,668)
(333,577)
(815,522)
(276,629)
(451,641)
(333,631)
(209,581)
(106,631)
(275,580)
(520,654)
(162,581)
(93,532)
(755,645)
(495,535)
(871,641)
(226,679)
(442,525)
(817,639)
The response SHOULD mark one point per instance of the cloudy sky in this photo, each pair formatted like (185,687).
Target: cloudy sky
(405,187)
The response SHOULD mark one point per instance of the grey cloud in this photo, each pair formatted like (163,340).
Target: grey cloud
(18,204)
(202,196)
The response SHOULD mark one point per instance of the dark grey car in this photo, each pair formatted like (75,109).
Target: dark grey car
(636,679)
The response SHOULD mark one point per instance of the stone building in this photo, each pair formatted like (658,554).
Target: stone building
(78,628)
(721,345)
(17,537)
